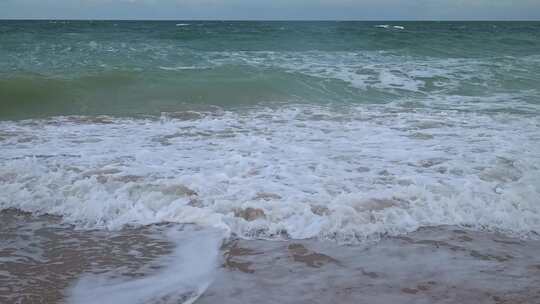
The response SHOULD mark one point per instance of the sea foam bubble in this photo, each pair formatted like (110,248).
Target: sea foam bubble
(346,173)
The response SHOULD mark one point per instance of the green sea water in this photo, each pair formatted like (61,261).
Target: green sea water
(126,68)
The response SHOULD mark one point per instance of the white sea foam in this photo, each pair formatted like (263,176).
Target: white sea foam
(186,274)
(180,68)
(346,173)
(387,26)
(382,71)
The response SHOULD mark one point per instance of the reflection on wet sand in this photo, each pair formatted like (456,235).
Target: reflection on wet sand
(42,259)
(431,265)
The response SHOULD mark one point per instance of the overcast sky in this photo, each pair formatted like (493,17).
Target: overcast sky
(272,9)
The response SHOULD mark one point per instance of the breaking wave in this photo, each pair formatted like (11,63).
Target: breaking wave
(346,173)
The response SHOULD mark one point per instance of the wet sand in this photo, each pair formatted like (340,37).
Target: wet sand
(432,265)
(41,259)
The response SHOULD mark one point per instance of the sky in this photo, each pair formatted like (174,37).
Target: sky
(273,9)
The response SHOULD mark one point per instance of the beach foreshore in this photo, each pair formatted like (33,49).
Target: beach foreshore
(43,261)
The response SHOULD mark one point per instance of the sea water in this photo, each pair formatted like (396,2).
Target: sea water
(346,132)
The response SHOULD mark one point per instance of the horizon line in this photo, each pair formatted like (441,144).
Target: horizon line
(270,20)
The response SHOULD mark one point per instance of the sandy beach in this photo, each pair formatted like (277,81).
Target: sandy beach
(43,260)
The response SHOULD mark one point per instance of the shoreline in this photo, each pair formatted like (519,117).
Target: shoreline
(431,265)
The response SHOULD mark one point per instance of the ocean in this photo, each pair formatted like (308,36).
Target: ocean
(277,162)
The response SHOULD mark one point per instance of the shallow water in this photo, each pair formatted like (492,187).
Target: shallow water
(300,171)
(45,261)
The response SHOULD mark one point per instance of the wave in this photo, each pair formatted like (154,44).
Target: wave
(387,26)
(134,93)
(180,68)
(250,78)
(347,173)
